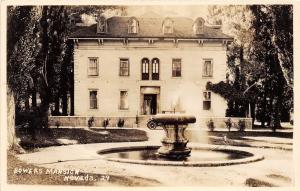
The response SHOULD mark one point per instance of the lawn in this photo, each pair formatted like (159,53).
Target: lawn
(51,136)
(59,179)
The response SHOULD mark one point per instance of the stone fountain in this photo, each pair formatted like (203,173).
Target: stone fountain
(174,150)
(174,143)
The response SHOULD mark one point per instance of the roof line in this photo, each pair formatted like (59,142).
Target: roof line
(146,38)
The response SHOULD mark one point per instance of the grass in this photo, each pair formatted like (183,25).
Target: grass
(48,136)
(58,179)
(238,134)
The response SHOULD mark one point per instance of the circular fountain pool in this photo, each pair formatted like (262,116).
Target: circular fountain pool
(200,156)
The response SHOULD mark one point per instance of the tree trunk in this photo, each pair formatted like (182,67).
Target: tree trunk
(72,96)
(65,103)
(56,106)
(12,141)
(27,104)
(33,98)
(243,79)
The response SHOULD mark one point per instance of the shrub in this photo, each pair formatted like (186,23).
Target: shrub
(241,125)
(228,123)
(57,124)
(210,124)
(106,122)
(91,121)
(120,122)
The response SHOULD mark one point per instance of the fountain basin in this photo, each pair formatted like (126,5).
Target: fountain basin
(174,143)
(202,156)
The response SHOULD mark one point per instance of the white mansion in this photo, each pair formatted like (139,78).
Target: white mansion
(127,67)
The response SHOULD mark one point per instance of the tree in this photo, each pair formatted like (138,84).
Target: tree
(273,45)
(40,58)
(260,58)
(22,48)
(236,22)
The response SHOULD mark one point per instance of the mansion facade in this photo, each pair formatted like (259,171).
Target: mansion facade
(127,66)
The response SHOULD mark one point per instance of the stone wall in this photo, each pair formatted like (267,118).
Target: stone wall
(76,121)
(219,122)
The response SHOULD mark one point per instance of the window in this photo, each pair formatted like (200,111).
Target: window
(101,25)
(145,69)
(124,67)
(168,26)
(93,99)
(93,67)
(124,100)
(199,26)
(207,68)
(206,100)
(155,69)
(132,26)
(176,67)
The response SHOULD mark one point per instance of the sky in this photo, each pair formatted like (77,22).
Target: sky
(190,11)
(193,11)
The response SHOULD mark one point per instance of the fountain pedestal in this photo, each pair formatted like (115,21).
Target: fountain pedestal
(174,143)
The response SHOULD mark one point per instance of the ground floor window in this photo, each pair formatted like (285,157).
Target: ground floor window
(206,100)
(124,100)
(93,99)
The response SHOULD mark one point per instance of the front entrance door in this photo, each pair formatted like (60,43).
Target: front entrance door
(150,104)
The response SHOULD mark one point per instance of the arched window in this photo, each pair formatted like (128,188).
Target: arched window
(133,25)
(155,69)
(101,25)
(145,69)
(167,26)
(199,26)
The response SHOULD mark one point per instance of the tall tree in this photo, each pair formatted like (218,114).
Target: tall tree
(235,21)
(273,45)
(22,48)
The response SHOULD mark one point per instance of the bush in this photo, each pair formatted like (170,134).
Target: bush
(106,122)
(91,122)
(57,124)
(241,125)
(120,122)
(228,123)
(210,124)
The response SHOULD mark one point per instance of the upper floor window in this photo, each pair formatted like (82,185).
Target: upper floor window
(207,68)
(168,26)
(101,25)
(155,69)
(206,100)
(93,99)
(93,67)
(133,25)
(124,67)
(145,69)
(176,67)
(124,100)
(199,26)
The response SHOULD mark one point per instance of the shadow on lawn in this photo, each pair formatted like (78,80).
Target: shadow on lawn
(48,136)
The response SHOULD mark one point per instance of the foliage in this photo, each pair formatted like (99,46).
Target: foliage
(228,123)
(91,121)
(39,54)
(106,122)
(121,122)
(210,124)
(259,60)
(241,125)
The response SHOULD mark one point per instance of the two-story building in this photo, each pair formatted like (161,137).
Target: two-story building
(127,66)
